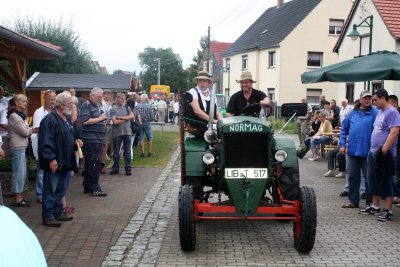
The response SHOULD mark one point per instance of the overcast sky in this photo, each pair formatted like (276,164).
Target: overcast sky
(115,32)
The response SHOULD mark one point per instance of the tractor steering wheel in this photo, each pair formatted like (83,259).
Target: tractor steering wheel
(267,110)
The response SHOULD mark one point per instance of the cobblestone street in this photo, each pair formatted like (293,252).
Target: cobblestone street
(344,238)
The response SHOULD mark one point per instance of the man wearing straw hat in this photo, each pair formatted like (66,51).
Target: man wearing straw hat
(246,97)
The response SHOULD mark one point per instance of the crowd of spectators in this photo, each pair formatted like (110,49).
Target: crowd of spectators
(67,133)
(365,150)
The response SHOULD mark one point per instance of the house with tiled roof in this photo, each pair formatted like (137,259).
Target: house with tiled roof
(216,63)
(285,41)
(385,36)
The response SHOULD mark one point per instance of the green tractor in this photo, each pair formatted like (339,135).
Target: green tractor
(241,169)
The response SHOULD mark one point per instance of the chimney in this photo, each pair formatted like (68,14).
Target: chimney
(280,2)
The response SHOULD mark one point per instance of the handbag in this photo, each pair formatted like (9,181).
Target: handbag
(135,127)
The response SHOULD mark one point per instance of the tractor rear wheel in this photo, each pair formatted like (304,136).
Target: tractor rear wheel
(187,226)
(290,182)
(304,231)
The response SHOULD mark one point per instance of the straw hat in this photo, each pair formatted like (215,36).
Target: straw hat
(246,75)
(203,75)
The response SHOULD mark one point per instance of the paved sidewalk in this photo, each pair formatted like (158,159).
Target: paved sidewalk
(98,221)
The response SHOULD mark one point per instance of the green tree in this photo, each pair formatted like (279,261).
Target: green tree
(76,60)
(198,58)
(171,70)
(191,72)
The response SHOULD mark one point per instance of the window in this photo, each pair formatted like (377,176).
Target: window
(245,62)
(376,86)
(335,26)
(227,64)
(364,45)
(271,94)
(350,92)
(271,59)
(314,59)
(313,96)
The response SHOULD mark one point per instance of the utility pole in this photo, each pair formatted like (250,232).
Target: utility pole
(158,71)
(208,50)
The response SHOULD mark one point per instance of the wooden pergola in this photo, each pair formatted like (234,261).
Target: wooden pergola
(17,48)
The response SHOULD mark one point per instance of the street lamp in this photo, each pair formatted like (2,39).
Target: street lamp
(228,69)
(354,34)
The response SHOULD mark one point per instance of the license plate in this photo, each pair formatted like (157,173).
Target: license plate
(249,173)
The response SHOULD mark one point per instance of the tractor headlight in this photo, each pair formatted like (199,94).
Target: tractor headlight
(208,158)
(280,155)
(210,136)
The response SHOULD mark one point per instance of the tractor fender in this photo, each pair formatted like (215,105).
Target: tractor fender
(287,144)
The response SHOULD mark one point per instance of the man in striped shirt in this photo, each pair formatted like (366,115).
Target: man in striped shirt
(146,113)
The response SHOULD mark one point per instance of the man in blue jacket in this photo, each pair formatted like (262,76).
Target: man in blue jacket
(357,127)
(56,158)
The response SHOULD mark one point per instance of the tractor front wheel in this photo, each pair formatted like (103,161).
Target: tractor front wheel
(290,182)
(305,229)
(187,226)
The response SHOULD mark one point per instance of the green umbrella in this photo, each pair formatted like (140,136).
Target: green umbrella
(381,65)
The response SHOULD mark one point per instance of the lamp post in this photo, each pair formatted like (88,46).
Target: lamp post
(354,34)
(228,69)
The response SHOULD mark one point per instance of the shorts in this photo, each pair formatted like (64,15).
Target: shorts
(382,188)
(146,128)
(108,135)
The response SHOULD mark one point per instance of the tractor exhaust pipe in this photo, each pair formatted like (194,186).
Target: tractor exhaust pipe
(210,136)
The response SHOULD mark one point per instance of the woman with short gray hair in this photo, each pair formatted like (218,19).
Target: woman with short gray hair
(18,133)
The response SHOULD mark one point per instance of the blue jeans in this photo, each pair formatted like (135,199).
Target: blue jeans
(363,179)
(126,140)
(396,177)
(91,152)
(18,169)
(321,140)
(355,166)
(39,181)
(54,187)
(173,117)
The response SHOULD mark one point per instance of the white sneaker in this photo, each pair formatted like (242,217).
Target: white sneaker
(314,158)
(340,175)
(329,173)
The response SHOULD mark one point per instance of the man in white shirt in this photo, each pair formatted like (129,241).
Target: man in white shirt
(345,110)
(106,105)
(40,113)
(176,112)
(161,107)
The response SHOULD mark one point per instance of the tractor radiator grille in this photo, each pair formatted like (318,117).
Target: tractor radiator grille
(246,150)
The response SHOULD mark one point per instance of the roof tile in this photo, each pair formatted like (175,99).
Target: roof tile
(218,48)
(390,13)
